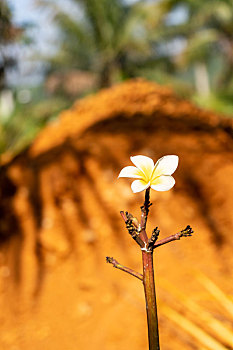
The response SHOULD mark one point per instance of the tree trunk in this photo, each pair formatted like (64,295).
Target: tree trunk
(201,79)
(105,78)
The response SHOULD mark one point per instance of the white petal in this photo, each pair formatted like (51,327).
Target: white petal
(166,165)
(145,164)
(163,183)
(131,171)
(139,185)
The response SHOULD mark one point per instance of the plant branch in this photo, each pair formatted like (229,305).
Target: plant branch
(117,265)
(187,232)
(144,215)
(132,226)
(147,245)
(153,239)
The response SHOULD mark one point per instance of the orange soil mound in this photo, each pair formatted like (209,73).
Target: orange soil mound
(59,219)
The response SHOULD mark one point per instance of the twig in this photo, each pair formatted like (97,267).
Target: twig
(144,215)
(153,239)
(134,220)
(117,265)
(187,232)
(132,226)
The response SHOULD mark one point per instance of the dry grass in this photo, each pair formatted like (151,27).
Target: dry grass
(203,325)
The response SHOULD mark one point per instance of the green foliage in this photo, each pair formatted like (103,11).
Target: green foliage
(107,39)
(120,41)
(208,34)
(22,126)
(221,103)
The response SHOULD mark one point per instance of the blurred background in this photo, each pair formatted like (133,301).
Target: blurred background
(53,52)
(85,84)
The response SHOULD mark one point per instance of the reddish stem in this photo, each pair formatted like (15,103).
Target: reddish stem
(148,280)
(187,232)
(150,296)
(117,265)
(171,238)
(145,211)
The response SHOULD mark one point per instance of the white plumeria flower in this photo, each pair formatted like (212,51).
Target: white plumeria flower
(157,176)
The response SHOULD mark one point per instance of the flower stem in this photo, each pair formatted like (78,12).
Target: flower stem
(150,296)
(144,215)
(148,280)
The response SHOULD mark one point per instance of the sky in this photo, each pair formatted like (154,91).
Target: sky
(43,34)
(23,10)
(26,11)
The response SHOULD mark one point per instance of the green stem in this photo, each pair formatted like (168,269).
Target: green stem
(150,296)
